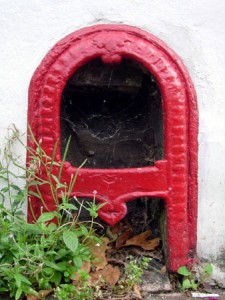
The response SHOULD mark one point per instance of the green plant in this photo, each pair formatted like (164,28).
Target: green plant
(11,194)
(133,272)
(192,280)
(70,292)
(46,256)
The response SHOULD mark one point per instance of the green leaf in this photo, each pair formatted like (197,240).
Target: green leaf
(25,280)
(66,274)
(51,252)
(84,230)
(70,239)
(60,185)
(36,182)
(5,189)
(194,285)
(186,284)
(208,269)
(63,265)
(77,261)
(48,271)
(34,194)
(18,293)
(32,228)
(68,206)
(61,253)
(53,265)
(16,188)
(18,279)
(55,178)
(47,216)
(19,213)
(52,227)
(183,271)
(3,177)
(56,278)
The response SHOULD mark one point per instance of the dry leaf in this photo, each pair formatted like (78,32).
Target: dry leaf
(123,237)
(116,228)
(109,274)
(32,297)
(41,295)
(95,277)
(124,234)
(98,252)
(137,292)
(44,293)
(142,241)
(163,270)
(86,266)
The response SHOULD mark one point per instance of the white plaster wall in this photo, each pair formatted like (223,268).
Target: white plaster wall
(195,29)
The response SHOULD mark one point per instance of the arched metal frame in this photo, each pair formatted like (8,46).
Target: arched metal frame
(174,178)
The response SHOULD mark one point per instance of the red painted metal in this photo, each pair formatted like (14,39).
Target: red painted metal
(174,178)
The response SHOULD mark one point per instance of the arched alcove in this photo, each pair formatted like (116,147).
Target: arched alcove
(113,113)
(173,177)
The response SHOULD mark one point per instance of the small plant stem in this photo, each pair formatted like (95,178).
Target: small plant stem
(52,187)
(18,246)
(32,136)
(63,225)
(9,214)
(17,136)
(32,211)
(38,179)
(41,198)
(96,223)
(53,192)
(74,178)
(81,204)
(53,155)
(8,179)
(18,166)
(64,157)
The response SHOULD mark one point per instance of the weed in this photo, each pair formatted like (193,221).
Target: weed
(192,281)
(133,272)
(70,292)
(45,256)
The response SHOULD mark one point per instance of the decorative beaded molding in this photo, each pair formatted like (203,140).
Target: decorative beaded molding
(174,178)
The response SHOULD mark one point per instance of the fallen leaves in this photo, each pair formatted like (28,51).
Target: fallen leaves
(142,240)
(122,232)
(163,270)
(107,267)
(41,295)
(103,270)
(137,292)
(98,252)
(123,237)
(109,275)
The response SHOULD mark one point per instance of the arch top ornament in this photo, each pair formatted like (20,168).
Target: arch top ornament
(175,177)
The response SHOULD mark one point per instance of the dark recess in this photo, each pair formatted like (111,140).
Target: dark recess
(113,114)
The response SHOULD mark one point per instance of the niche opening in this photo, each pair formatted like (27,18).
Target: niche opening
(113,114)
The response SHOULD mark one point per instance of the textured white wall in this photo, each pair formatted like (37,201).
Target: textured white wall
(195,29)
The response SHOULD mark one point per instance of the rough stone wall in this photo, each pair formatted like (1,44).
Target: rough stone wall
(194,29)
